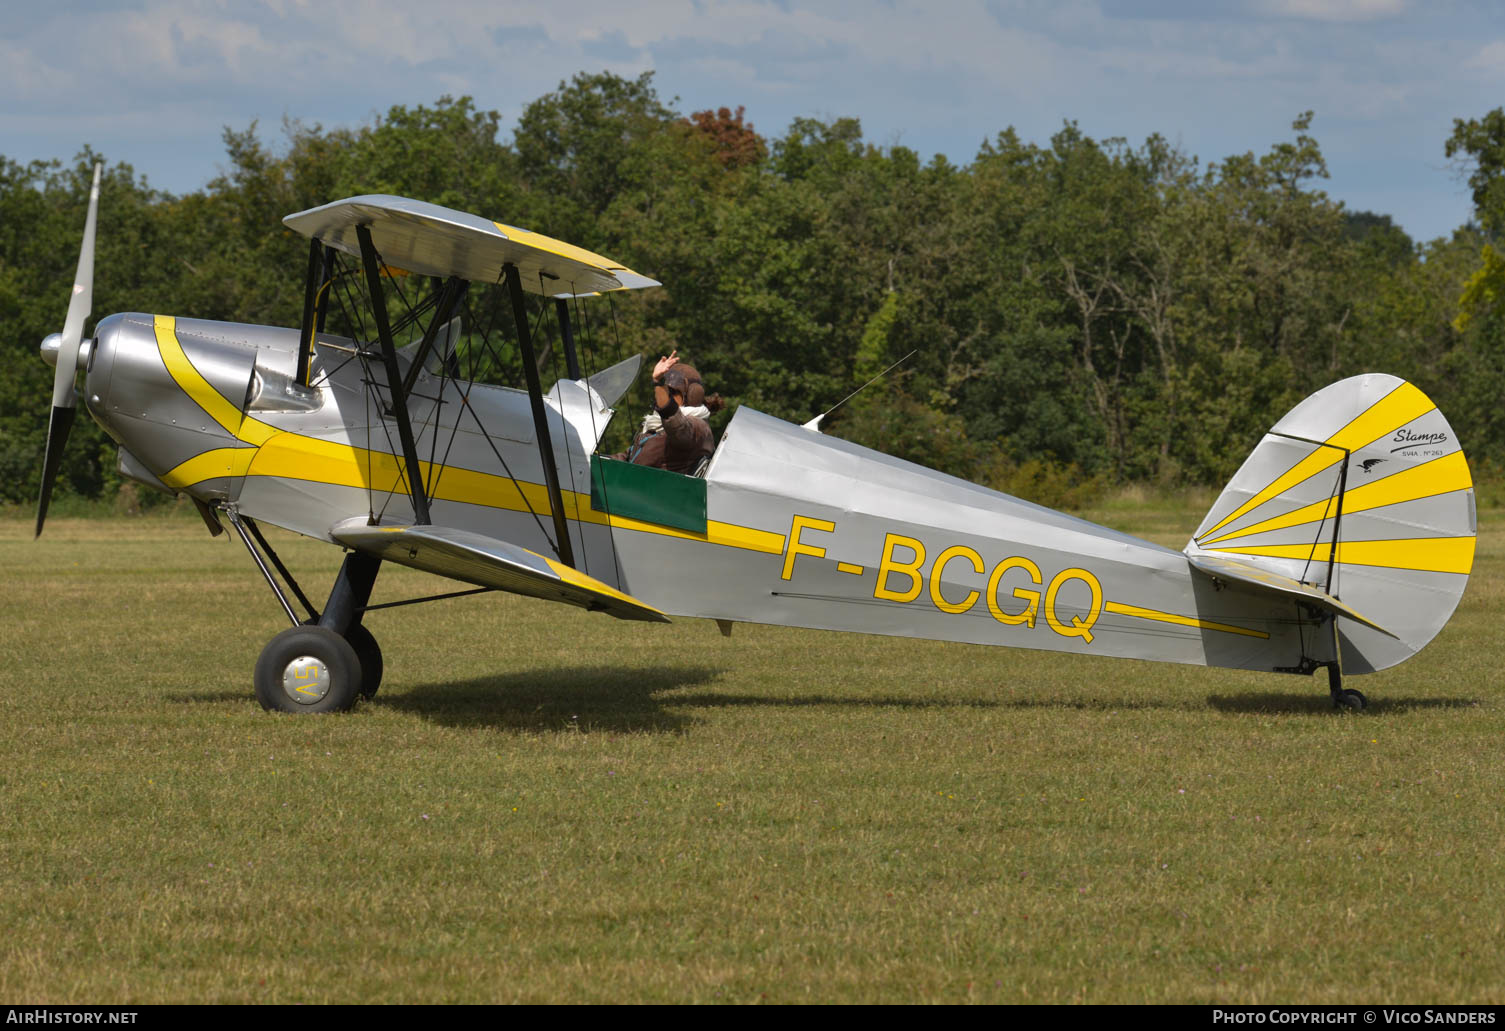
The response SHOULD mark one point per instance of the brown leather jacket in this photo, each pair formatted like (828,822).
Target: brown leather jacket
(679,446)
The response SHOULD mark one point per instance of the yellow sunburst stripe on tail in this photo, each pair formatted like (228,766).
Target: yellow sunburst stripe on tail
(1439,476)
(1388,414)
(1423,554)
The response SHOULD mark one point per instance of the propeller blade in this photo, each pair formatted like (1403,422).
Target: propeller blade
(64,397)
(78,307)
(57,439)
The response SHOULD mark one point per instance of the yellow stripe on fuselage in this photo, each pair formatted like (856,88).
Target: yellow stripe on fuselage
(222,461)
(225,413)
(294,456)
(1138,612)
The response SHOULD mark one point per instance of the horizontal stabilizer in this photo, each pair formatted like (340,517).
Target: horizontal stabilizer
(1253,576)
(488,562)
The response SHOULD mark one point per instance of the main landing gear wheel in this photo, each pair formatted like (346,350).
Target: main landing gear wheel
(308,669)
(369,654)
(1348,698)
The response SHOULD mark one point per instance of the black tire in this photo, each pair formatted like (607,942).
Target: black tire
(334,672)
(1351,699)
(369,654)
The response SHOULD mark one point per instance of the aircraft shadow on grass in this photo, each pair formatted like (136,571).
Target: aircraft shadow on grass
(623,700)
(611,699)
(1247,702)
(598,699)
(1275,702)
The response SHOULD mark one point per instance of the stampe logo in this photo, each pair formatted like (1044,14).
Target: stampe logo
(1406,439)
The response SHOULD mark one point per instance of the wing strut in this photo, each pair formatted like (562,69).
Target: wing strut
(571,360)
(315,303)
(310,307)
(448,299)
(540,417)
(394,377)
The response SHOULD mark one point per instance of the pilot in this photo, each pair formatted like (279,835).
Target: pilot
(676,434)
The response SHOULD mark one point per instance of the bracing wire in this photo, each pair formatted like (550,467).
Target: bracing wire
(1317,540)
(616,558)
(597,432)
(436,472)
(521,493)
(366,397)
(351,311)
(569,457)
(369,379)
(473,360)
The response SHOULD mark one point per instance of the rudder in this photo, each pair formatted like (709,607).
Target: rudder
(1363,491)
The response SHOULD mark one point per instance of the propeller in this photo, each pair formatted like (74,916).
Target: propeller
(64,397)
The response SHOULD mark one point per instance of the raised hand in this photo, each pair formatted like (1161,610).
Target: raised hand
(665,364)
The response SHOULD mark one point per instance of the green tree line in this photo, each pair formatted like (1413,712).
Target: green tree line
(1081,312)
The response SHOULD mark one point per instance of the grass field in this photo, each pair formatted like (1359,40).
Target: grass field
(544,805)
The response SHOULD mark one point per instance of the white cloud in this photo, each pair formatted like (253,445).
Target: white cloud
(163,76)
(1489,58)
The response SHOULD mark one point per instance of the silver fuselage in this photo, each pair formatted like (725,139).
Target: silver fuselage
(803,529)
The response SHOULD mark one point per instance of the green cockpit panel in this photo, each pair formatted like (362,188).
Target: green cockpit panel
(652,495)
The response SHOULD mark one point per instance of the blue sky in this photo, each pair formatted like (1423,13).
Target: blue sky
(154,82)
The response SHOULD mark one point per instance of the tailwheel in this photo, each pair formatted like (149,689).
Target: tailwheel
(1343,697)
(309,669)
(369,654)
(1348,698)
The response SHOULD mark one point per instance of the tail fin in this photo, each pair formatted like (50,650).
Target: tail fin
(1361,491)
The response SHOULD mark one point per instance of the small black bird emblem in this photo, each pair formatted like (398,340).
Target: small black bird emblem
(1369,463)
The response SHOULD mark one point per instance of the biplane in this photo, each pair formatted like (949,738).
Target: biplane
(1343,543)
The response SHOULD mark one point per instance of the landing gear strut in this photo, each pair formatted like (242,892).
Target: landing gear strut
(1343,697)
(369,654)
(326,666)
(328,661)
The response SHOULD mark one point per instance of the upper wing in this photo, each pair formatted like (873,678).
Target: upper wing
(488,562)
(437,241)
